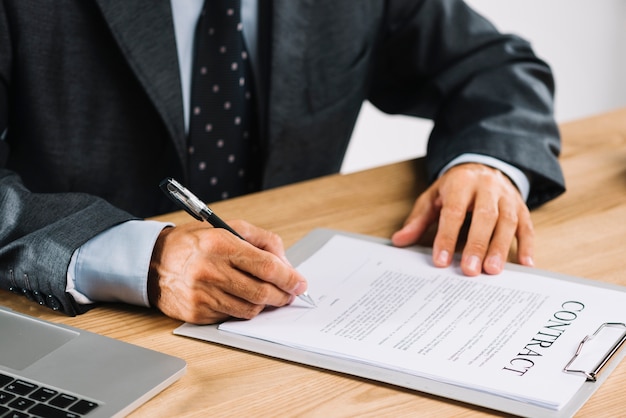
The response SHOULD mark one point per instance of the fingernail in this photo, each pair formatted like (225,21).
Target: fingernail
(300,288)
(527,261)
(473,264)
(443,258)
(494,262)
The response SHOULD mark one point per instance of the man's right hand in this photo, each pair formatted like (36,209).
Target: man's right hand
(203,275)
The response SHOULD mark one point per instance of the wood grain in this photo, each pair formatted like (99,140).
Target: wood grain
(581,233)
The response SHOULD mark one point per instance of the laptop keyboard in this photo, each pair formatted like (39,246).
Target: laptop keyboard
(22,399)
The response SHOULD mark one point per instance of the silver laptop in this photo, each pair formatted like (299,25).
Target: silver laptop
(51,370)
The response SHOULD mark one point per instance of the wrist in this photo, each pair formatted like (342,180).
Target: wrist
(153,288)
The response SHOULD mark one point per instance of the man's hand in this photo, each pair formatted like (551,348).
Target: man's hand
(204,275)
(498,214)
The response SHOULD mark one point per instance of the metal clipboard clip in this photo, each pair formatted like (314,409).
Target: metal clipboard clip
(593,374)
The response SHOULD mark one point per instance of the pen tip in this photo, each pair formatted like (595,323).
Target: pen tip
(308,299)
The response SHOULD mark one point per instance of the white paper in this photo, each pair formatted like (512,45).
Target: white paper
(509,334)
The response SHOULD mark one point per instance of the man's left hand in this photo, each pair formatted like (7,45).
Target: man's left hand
(498,215)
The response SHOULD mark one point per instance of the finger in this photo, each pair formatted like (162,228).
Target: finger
(209,292)
(503,236)
(191,298)
(216,306)
(268,268)
(525,239)
(455,205)
(424,213)
(261,238)
(485,217)
(227,303)
(256,291)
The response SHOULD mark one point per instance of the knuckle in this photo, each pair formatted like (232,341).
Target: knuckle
(445,239)
(275,238)
(487,212)
(193,317)
(192,313)
(526,228)
(267,266)
(509,217)
(453,211)
(477,247)
(213,243)
(193,299)
(250,311)
(261,293)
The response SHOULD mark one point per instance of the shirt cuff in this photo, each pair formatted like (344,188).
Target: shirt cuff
(113,265)
(516,175)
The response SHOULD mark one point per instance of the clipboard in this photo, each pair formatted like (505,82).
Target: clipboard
(300,251)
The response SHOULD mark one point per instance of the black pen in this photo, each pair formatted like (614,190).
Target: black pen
(199,210)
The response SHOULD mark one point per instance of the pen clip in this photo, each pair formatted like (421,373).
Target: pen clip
(184,198)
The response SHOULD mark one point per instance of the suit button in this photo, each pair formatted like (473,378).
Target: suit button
(38,297)
(28,294)
(53,303)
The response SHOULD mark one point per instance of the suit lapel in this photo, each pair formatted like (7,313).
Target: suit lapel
(285,80)
(264,48)
(289,44)
(144,31)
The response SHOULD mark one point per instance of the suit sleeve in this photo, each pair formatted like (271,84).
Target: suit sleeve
(38,234)
(40,231)
(487,93)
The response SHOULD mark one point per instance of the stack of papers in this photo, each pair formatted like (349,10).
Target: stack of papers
(508,335)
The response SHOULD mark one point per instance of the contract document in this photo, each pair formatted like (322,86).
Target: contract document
(508,335)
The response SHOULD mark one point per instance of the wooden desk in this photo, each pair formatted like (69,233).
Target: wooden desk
(581,233)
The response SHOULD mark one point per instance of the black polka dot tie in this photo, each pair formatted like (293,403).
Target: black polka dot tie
(221,137)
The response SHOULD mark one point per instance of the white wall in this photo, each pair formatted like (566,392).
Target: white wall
(584,41)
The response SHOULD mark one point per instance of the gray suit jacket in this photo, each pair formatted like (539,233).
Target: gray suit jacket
(92,118)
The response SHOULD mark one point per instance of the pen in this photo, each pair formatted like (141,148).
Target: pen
(199,210)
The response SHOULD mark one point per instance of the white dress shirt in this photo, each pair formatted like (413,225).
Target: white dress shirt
(113,266)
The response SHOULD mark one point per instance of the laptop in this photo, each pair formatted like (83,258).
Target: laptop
(54,370)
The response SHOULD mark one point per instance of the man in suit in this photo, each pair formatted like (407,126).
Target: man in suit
(94,112)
